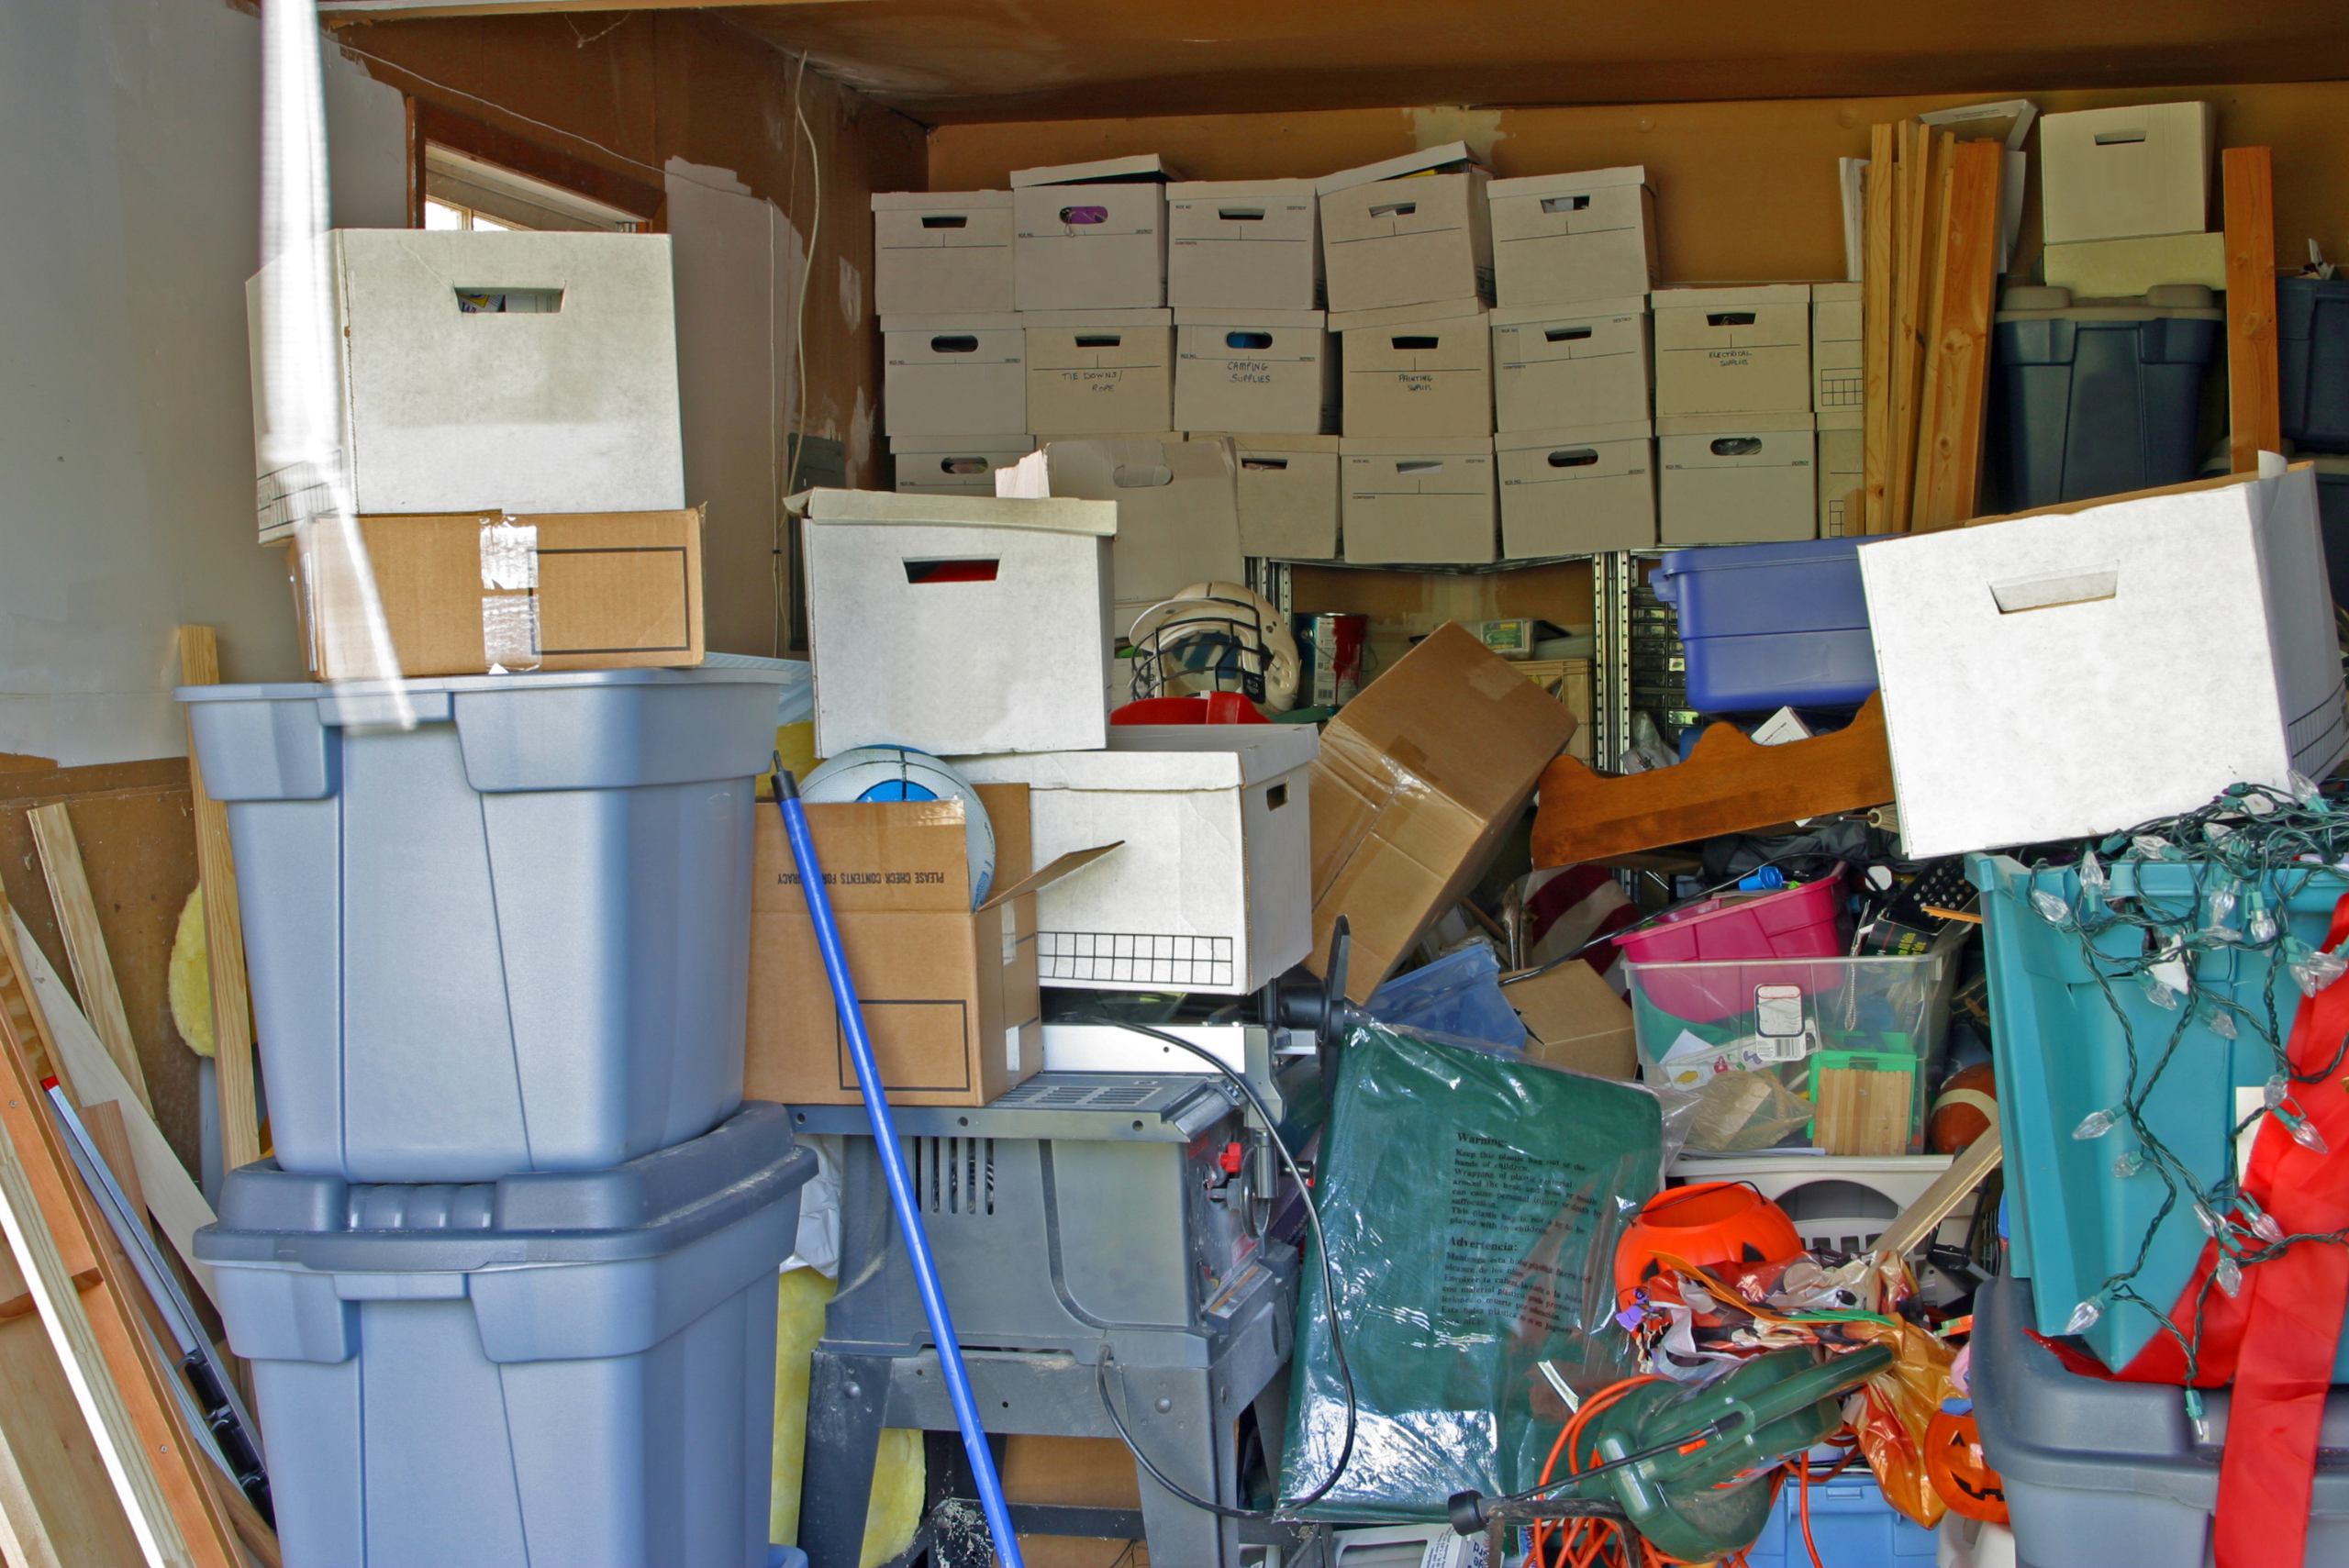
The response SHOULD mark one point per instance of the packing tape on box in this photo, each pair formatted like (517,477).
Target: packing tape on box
(509,554)
(509,607)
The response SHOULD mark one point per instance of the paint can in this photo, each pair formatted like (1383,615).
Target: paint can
(1337,650)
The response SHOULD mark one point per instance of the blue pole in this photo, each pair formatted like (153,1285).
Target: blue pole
(893,1166)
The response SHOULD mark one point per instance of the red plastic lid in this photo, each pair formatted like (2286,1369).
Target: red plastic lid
(1215,707)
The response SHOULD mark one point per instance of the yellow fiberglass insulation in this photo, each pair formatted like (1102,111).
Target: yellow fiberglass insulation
(192,977)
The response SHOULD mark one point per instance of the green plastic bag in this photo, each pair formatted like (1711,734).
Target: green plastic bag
(1472,1200)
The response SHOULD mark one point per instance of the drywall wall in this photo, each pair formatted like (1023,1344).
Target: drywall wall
(1745,190)
(132,190)
(758,158)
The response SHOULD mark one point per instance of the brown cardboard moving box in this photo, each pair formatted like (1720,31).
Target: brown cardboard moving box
(949,991)
(1576,1020)
(1418,779)
(539,591)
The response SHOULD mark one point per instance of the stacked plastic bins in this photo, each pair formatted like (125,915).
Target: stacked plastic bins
(507,1284)
(2312,355)
(1769,625)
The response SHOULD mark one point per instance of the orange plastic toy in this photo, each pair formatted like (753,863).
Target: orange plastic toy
(1706,1224)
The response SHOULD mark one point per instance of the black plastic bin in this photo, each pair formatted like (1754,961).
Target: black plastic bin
(2098,398)
(2313,357)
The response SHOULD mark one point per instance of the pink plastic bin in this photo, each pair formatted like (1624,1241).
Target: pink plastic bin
(1794,922)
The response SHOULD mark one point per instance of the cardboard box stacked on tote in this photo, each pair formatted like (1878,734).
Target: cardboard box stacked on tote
(509,417)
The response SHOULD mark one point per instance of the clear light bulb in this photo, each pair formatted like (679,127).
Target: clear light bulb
(2275,1091)
(2208,1219)
(2221,1020)
(2149,845)
(2084,1317)
(2318,970)
(2095,1123)
(2230,1274)
(2158,993)
(2305,1134)
(2223,902)
(2260,925)
(2214,830)
(2263,1224)
(2304,788)
(2127,1163)
(2051,908)
(2092,874)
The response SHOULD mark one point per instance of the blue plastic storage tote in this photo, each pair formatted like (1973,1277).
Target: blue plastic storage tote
(2096,399)
(2312,360)
(1850,1524)
(2061,1054)
(559,1368)
(514,938)
(1770,625)
(2332,517)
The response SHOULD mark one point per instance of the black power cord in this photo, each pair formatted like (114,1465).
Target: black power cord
(1329,1300)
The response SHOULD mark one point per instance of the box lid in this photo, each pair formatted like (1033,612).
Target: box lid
(1121,319)
(939,201)
(1415,446)
(649,1208)
(1212,190)
(1731,424)
(1403,315)
(1216,316)
(1580,310)
(909,445)
(1160,759)
(1246,444)
(1579,435)
(1561,184)
(1057,514)
(1745,557)
(1836,294)
(1732,294)
(982,321)
(1143,168)
(1419,162)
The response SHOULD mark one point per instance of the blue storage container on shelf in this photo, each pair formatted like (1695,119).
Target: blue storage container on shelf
(1851,1523)
(2062,1054)
(1770,625)
(2333,518)
(2100,397)
(2312,360)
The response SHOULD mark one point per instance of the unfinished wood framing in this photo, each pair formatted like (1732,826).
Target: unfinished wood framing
(224,932)
(58,1507)
(1957,367)
(85,941)
(1876,335)
(2254,412)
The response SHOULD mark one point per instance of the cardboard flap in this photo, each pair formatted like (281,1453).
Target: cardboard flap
(1073,860)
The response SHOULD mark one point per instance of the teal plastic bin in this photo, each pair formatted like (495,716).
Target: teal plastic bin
(2060,1053)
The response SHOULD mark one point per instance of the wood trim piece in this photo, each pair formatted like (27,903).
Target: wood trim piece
(1957,376)
(85,941)
(1876,331)
(2254,397)
(224,932)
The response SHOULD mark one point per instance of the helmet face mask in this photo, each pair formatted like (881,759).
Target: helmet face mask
(1216,637)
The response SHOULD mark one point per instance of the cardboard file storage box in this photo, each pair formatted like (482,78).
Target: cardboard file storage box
(1428,502)
(1273,370)
(1566,366)
(944,465)
(1410,231)
(2115,174)
(1288,495)
(1099,373)
(1243,245)
(949,991)
(1417,371)
(957,624)
(954,375)
(941,252)
(2125,269)
(1210,890)
(1742,479)
(1841,462)
(1178,512)
(1091,236)
(532,373)
(1418,779)
(1562,238)
(562,591)
(1576,492)
(1838,379)
(1733,351)
(2106,663)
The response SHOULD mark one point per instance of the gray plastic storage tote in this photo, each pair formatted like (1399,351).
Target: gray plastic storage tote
(514,938)
(556,1370)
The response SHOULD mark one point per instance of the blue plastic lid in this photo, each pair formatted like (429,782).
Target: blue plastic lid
(1744,557)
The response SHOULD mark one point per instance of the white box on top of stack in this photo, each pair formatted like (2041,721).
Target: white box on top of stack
(1424,501)
(1576,492)
(1745,350)
(2117,173)
(954,375)
(1409,231)
(1563,366)
(941,252)
(1091,236)
(1562,238)
(1243,245)
(2106,662)
(1736,478)
(1212,889)
(1274,371)
(957,624)
(1099,373)
(521,371)
(954,465)
(1417,371)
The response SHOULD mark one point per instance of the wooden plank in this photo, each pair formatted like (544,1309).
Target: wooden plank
(1876,331)
(2255,411)
(85,941)
(1957,377)
(17,762)
(103,1343)
(1915,194)
(1924,1217)
(224,932)
(57,1508)
(1864,1111)
(110,1131)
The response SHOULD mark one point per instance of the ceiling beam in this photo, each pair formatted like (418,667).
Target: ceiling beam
(387,10)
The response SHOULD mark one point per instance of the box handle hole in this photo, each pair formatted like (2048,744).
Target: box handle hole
(944,220)
(954,343)
(1566,334)
(1416,342)
(1084,215)
(955,570)
(1240,213)
(1099,339)
(1729,318)
(1275,464)
(1419,466)
(1566,204)
(1737,446)
(1247,340)
(2119,137)
(508,302)
(1573,457)
(1395,209)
